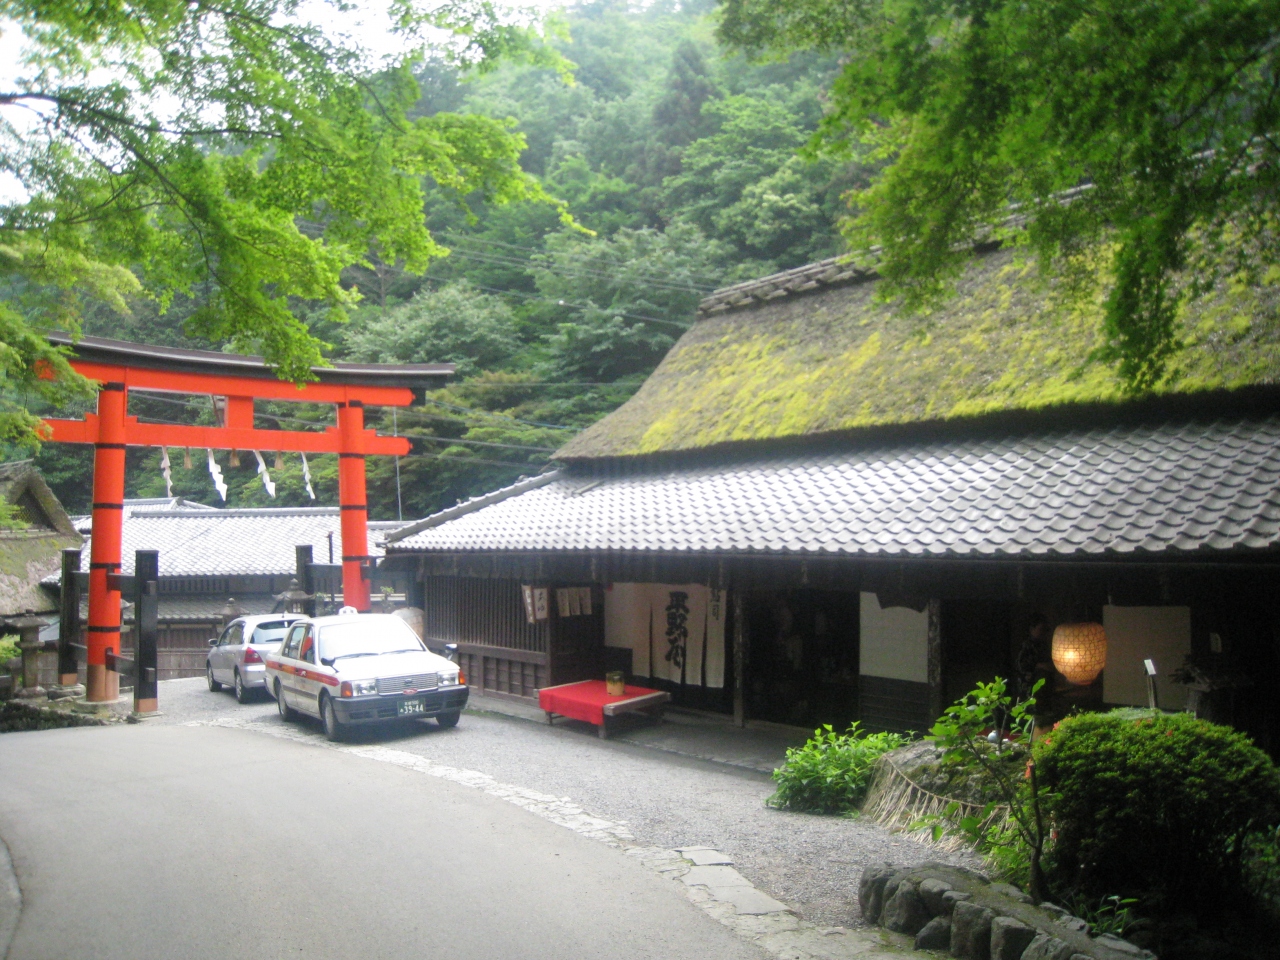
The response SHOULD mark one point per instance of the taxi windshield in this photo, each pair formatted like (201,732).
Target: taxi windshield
(367,635)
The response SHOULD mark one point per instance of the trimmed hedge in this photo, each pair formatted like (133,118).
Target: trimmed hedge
(1160,808)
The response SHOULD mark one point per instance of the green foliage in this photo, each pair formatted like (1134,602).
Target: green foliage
(962,733)
(230,151)
(1262,871)
(1111,914)
(9,519)
(454,323)
(1158,116)
(8,649)
(831,772)
(1157,808)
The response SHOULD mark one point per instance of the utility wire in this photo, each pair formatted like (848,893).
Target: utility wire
(475,238)
(572,273)
(561,303)
(461,440)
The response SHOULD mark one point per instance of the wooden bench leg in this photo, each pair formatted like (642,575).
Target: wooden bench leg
(550,716)
(603,729)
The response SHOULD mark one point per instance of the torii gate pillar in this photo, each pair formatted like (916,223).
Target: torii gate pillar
(353,506)
(102,684)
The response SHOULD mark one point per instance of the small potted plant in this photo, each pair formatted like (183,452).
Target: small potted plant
(615,683)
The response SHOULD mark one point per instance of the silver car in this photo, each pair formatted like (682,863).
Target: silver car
(362,668)
(238,657)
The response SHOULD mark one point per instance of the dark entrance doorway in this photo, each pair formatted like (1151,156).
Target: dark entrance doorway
(803,663)
(977,645)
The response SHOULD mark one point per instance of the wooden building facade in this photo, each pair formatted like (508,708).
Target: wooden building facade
(817,510)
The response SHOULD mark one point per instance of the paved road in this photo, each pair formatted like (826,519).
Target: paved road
(168,841)
(811,863)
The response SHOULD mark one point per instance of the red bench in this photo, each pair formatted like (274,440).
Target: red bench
(589,701)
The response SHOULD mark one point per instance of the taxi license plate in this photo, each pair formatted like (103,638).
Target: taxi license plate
(411,706)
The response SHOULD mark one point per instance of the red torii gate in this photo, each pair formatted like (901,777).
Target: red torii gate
(121,366)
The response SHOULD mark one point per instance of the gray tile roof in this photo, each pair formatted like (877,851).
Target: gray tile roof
(203,542)
(1174,487)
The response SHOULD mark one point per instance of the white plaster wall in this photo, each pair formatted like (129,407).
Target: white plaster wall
(1162,634)
(893,643)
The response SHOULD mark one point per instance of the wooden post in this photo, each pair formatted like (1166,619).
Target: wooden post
(103,683)
(935,660)
(739,660)
(69,617)
(146,586)
(302,564)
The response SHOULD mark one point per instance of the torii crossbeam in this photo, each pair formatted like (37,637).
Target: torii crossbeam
(120,366)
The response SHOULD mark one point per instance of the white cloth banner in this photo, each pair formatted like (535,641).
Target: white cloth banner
(215,471)
(166,470)
(675,631)
(267,482)
(306,477)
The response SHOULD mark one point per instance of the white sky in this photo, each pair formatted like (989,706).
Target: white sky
(366,25)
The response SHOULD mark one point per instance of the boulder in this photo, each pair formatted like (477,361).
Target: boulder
(1009,938)
(1045,947)
(1055,911)
(871,890)
(951,898)
(904,912)
(1012,892)
(935,935)
(1112,942)
(971,931)
(931,892)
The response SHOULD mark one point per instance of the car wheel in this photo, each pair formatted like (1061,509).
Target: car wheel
(449,719)
(329,716)
(214,685)
(243,694)
(286,711)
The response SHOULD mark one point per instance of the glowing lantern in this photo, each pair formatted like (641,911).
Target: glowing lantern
(1080,651)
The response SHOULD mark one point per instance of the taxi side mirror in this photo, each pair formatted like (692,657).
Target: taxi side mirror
(327,661)
(451,652)
(213,642)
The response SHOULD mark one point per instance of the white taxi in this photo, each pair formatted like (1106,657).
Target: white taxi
(362,668)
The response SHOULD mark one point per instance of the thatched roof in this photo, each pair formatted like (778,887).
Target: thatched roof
(32,553)
(811,352)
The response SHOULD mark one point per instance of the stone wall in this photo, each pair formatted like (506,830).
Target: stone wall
(951,908)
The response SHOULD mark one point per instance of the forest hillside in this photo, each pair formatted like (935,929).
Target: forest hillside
(679,165)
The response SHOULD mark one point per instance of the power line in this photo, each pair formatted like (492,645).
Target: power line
(485,413)
(560,303)
(466,237)
(573,273)
(488,443)
(495,463)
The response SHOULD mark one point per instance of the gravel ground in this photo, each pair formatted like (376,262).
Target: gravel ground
(810,862)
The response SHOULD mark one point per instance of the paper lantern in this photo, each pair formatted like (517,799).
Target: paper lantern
(1080,651)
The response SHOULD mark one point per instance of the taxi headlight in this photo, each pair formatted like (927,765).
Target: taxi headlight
(448,679)
(364,688)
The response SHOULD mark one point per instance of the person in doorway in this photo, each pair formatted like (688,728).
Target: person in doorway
(1033,657)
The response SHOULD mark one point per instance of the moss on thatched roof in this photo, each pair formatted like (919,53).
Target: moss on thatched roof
(835,360)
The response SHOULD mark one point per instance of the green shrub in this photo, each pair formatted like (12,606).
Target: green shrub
(1158,808)
(8,650)
(831,772)
(1262,872)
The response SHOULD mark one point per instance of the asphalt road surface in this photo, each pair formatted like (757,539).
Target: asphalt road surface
(156,841)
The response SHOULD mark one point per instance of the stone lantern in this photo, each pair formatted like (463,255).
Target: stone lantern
(28,628)
(295,599)
(231,610)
